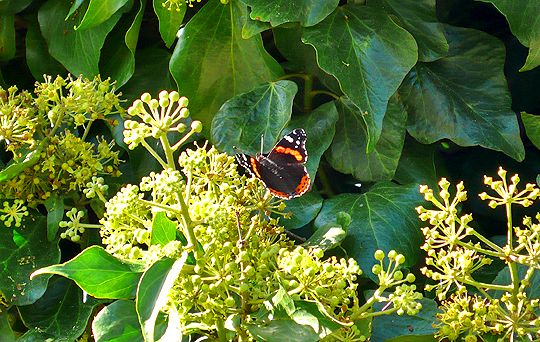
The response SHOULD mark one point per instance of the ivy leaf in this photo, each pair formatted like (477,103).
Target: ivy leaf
(98,273)
(253,27)
(120,45)
(170,20)
(60,315)
(532,127)
(266,109)
(6,332)
(277,12)
(405,328)
(99,11)
(346,152)
(370,58)
(523,18)
(327,237)
(212,62)
(464,95)
(417,164)
(383,218)
(420,20)
(24,249)
(78,51)
(304,209)
(39,61)
(153,290)
(118,322)
(55,213)
(7,36)
(163,230)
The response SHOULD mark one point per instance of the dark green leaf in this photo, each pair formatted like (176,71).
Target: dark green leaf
(532,127)
(98,12)
(253,27)
(78,51)
(60,315)
(212,62)
(417,164)
(55,213)
(98,273)
(327,237)
(303,208)
(23,250)
(282,319)
(383,218)
(302,57)
(75,4)
(370,59)
(170,20)
(346,154)
(7,36)
(320,129)
(524,23)
(163,230)
(39,61)
(6,333)
(118,322)
(419,18)
(464,95)
(277,12)
(153,290)
(118,51)
(264,110)
(405,328)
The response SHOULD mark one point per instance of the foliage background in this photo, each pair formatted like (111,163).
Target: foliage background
(405,91)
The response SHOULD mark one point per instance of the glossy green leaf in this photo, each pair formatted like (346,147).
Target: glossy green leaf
(170,20)
(419,19)
(417,164)
(283,319)
(302,57)
(383,218)
(253,27)
(23,250)
(55,213)
(6,333)
(7,36)
(532,127)
(153,290)
(405,328)
(118,61)
(212,62)
(266,109)
(464,95)
(78,51)
(370,59)
(304,209)
(163,230)
(277,12)
(346,154)
(98,273)
(74,6)
(327,237)
(60,315)
(27,159)
(319,125)
(118,322)
(98,12)
(523,17)
(39,61)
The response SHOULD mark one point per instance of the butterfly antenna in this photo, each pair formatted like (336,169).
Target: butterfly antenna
(262,144)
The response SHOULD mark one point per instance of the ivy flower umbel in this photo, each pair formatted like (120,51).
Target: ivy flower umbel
(18,119)
(508,192)
(13,213)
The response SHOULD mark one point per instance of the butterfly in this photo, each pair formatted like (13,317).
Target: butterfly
(282,170)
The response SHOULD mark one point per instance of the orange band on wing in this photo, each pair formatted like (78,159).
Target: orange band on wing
(254,166)
(304,185)
(286,150)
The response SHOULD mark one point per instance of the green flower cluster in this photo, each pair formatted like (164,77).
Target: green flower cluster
(239,256)
(47,160)
(453,258)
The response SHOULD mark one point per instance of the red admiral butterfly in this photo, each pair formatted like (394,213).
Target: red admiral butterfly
(282,170)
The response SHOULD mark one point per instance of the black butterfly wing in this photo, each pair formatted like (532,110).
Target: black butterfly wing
(290,149)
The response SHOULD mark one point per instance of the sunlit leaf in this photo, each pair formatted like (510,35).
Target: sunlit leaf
(277,12)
